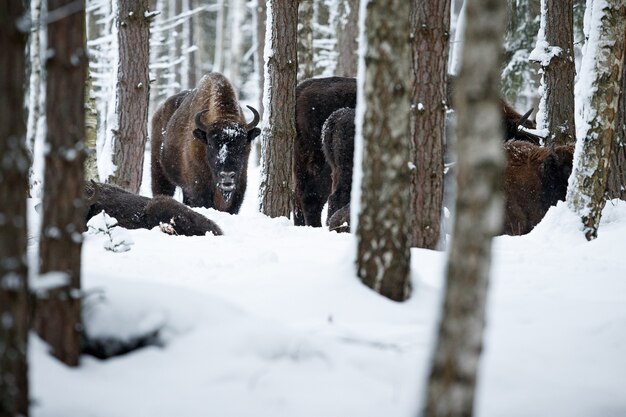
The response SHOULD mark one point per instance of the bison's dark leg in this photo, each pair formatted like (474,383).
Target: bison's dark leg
(160,184)
(315,191)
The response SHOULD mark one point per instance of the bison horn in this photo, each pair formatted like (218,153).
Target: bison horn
(254,121)
(525,117)
(198,120)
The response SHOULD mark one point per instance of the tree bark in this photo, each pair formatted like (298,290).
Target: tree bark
(279,122)
(58,311)
(133,94)
(347,30)
(601,71)
(431,35)
(383,231)
(220,29)
(479,212)
(13,228)
(616,187)
(306,67)
(557,102)
(261,18)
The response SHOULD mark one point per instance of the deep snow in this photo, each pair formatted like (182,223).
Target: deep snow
(270,320)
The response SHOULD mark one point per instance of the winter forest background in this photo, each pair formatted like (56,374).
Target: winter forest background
(273,318)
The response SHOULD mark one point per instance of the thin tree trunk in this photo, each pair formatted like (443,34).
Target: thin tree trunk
(616,187)
(347,30)
(556,41)
(383,231)
(58,311)
(220,29)
(34,88)
(431,36)
(13,228)
(306,68)
(236,11)
(479,209)
(601,73)
(91,134)
(261,17)
(133,94)
(279,122)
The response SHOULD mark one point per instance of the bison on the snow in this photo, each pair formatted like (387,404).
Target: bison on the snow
(201,143)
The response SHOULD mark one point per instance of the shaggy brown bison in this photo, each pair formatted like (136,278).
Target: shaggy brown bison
(137,212)
(201,143)
(338,147)
(316,100)
(535,178)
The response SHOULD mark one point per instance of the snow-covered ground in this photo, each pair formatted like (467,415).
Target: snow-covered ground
(270,320)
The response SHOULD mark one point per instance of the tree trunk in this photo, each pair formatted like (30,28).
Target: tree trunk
(616,187)
(13,228)
(237,14)
(383,231)
(306,67)
(58,311)
(479,212)
(598,90)
(555,45)
(34,84)
(347,30)
(133,94)
(431,36)
(279,121)
(91,134)
(220,29)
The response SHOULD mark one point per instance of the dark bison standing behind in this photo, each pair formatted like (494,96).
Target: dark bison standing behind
(338,146)
(201,143)
(316,99)
(535,178)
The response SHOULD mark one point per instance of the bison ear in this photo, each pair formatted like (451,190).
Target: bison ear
(200,135)
(253,133)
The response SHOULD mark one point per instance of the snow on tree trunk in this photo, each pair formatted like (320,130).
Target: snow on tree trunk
(347,30)
(479,213)
(236,41)
(260,19)
(306,68)
(430,39)
(616,187)
(383,230)
(279,120)
(520,77)
(35,80)
(133,94)
(13,229)
(91,133)
(555,52)
(598,90)
(457,44)
(58,310)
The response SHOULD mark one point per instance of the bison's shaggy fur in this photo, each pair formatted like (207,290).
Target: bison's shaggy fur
(338,146)
(316,99)
(535,178)
(340,220)
(137,212)
(201,143)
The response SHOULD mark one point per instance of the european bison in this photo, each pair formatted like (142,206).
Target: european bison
(316,100)
(137,212)
(535,178)
(340,220)
(338,147)
(201,143)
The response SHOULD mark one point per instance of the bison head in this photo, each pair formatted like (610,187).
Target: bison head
(228,146)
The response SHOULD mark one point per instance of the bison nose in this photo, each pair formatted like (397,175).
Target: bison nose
(227,177)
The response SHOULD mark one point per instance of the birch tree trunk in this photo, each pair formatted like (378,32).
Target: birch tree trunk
(383,231)
(431,35)
(13,228)
(601,73)
(220,28)
(616,187)
(347,30)
(555,46)
(279,121)
(306,67)
(133,94)
(34,84)
(479,213)
(58,311)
